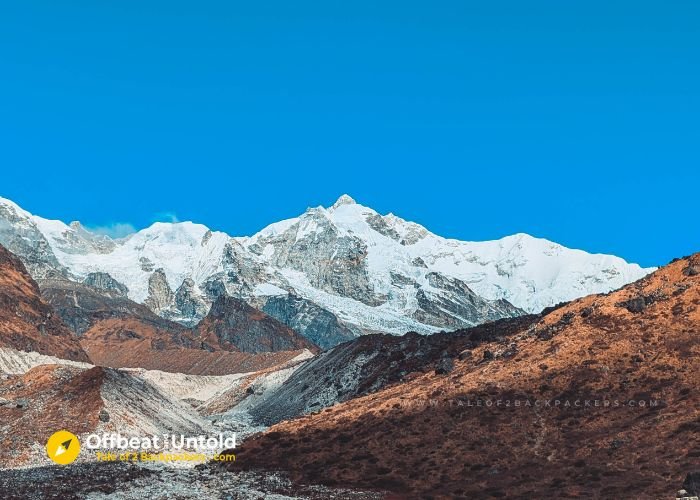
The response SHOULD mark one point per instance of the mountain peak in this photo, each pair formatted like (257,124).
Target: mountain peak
(16,208)
(344,199)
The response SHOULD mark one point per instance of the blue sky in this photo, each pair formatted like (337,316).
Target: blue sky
(575,121)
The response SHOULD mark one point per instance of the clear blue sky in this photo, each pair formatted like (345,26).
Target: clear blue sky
(578,121)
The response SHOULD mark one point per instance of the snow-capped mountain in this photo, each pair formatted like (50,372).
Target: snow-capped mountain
(331,273)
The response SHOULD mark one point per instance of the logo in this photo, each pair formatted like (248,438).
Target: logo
(63,447)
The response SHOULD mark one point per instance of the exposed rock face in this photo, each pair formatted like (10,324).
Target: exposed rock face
(207,236)
(233,323)
(240,271)
(80,240)
(378,223)
(691,485)
(621,377)
(81,306)
(214,288)
(146,264)
(21,236)
(691,270)
(104,282)
(418,262)
(27,322)
(120,333)
(388,226)
(338,264)
(455,304)
(160,296)
(410,232)
(189,303)
(316,324)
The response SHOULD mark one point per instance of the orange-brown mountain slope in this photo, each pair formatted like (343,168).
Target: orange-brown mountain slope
(157,344)
(599,399)
(27,322)
(44,400)
(134,343)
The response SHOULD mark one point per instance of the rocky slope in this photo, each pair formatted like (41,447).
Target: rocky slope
(81,305)
(40,394)
(125,481)
(20,234)
(130,343)
(319,325)
(232,323)
(372,362)
(596,399)
(355,270)
(83,400)
(27,322)
(47,398)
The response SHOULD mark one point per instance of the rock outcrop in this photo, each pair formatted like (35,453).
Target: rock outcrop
(160,295)
(339,262)
(449,302)
(691,485)
(318,325)
(190,304)
(234,324)
(21,236)
(105,283)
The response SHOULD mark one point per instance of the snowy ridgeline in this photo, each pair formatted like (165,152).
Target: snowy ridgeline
(372,272)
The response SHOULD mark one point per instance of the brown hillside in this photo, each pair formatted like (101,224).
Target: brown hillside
(41,402)
(447,436)
(119,333)
(27,322)
(134,343)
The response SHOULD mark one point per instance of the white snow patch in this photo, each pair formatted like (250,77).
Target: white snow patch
(268,289)
(16,362)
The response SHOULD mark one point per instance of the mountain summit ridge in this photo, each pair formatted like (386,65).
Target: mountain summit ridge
(372,272)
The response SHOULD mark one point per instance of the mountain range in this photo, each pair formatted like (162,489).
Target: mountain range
(330,274)
(290,339)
